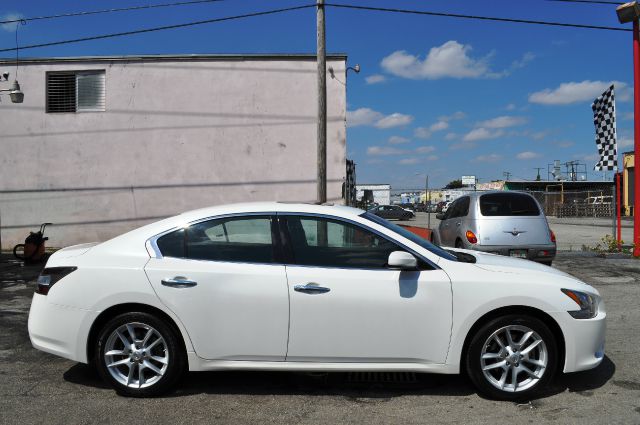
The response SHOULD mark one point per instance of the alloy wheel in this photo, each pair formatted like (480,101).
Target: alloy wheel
(136,355)
(514,358)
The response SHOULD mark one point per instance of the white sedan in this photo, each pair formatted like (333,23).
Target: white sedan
(298,287)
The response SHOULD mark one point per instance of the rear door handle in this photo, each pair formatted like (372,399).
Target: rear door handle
(311,288)
(179,282)
(458,224)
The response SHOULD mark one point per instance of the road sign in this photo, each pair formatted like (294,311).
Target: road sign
(468,180)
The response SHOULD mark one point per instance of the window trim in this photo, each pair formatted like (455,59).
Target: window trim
(284,232)
(281,241)
(152,242)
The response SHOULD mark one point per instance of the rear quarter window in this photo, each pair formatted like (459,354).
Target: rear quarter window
(508,204)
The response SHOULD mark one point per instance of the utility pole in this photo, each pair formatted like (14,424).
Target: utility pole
(322,105)
(538,170)
(506,175)
(427,202)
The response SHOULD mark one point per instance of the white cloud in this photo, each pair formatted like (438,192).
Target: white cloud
(409,161)
(451,60)
(375,79)
(363,116)
(422,133)
(455,116)
(588,157)
(432,158)
(482,134)
(390,150)
(625,142)
(367,116)
(574,92)
(425,149)
(492,157)
(538,135)
(10,17)
(385,150)
(564,143)
(439,126)
(502,122)
(510,107)
(394,120)
(397,140)
(528,155)
(451,136)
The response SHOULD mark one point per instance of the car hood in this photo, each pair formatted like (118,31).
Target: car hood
(504,264)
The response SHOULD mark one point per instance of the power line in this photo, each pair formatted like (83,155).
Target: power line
(588,1)
(96,12)
(484,18)
(166,27)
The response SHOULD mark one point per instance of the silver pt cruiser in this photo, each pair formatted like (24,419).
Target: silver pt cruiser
(507,223)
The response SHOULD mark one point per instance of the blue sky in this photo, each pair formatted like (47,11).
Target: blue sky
(442,96)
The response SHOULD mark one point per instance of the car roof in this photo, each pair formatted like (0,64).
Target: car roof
(141,234)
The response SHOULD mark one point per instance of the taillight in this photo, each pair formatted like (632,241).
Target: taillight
(50,276)
(471,237)
(553,236)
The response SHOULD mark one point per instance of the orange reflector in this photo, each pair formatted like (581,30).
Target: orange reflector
(471,237)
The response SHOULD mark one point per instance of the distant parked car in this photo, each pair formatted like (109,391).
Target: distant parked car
(446,206)
(392,212)
(507,223)
(440,205)
(408,206)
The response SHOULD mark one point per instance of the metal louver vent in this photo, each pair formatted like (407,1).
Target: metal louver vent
(75,91)
(61,92)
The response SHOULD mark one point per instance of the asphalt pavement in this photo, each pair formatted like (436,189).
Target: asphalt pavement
(36,387)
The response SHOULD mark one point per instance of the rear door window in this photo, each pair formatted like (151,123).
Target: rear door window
(235,239)
(508,204)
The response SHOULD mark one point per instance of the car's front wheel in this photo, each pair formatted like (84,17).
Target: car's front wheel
(512,357)
(139,355)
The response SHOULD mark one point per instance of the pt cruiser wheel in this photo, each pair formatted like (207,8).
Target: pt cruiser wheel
(139,355)
(512,357)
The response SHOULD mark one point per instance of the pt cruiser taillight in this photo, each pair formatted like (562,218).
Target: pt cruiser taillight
(50,276)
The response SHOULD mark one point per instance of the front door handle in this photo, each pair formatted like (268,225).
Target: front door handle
(311,288)
(458,224)
(179,282)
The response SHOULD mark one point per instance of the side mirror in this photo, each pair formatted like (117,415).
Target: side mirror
(440,216)
(402,260)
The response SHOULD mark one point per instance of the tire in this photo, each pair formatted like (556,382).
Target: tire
(459,244)
(139,373)
(546,263)
(497,382)
(18,252)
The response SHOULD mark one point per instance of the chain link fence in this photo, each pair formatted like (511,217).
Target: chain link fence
(587,203)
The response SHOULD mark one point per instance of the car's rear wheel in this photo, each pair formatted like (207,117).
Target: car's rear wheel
(139,355)
(459,243)
(512,357)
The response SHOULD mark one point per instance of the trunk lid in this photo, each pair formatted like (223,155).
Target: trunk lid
(514,231)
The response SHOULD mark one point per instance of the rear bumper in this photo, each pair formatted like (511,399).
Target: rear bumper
(539,253)
(59,330)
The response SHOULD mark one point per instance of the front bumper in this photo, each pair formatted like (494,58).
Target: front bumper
(58,329)
(584,340)
(539,253)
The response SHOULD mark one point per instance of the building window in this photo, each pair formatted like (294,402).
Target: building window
(77,91)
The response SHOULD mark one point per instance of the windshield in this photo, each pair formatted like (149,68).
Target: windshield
(411,236)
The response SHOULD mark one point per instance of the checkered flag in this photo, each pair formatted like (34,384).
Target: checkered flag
(604,118)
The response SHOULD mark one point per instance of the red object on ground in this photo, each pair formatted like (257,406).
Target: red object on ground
(636,119)
(423,232)
(618,219)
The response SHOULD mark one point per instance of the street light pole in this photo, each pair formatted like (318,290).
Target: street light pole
(427,203)
(322,105)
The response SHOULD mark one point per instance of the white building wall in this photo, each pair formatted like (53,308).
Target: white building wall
(381,193)
(177,134)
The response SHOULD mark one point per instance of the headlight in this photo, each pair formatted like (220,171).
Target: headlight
(588,304)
